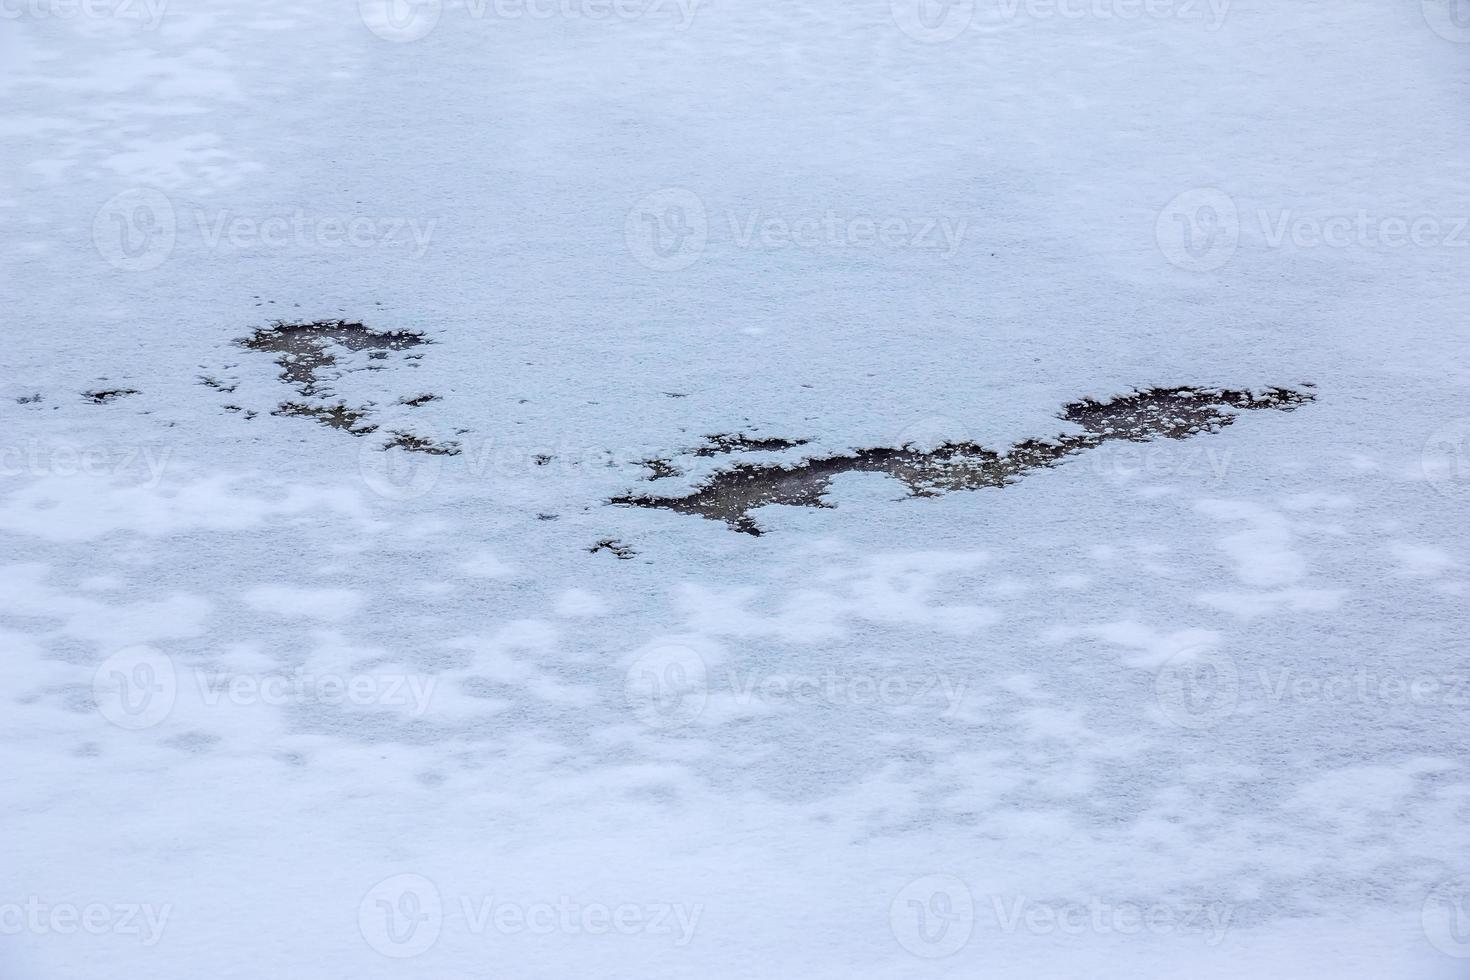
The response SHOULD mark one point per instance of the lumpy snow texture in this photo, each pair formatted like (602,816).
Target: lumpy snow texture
(282,702)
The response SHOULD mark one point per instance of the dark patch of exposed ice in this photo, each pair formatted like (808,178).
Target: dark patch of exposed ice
(1172,413)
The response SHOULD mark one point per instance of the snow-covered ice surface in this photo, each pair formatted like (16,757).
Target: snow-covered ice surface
(279,703)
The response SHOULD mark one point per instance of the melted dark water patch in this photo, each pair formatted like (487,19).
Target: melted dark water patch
(719,445)
(305,349)
(212,382)
(622,551)
(305,353)
(105,396)
(1171,413)
(660,469)
(409,442)
(338,416)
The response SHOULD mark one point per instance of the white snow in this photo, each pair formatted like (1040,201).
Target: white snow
(281,704)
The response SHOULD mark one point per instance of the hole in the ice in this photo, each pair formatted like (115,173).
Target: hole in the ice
(1171,413)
